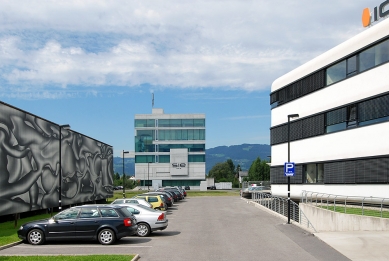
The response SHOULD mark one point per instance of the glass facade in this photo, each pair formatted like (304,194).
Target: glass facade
(367,59)
(144,139)
(364,60)
(144,123)
(187,134)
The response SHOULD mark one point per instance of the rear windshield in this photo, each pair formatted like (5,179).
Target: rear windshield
(126,212)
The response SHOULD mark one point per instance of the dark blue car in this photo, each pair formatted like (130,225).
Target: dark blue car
(106,223)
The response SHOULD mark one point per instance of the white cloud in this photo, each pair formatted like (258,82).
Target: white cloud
(176,44)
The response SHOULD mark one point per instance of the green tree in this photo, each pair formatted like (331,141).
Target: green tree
(222,172)
(259,170)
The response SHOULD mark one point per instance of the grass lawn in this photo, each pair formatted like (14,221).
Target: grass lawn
(190,193)
(69,258)
(358,211)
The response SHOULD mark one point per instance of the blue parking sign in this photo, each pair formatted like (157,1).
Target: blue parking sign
(289,169)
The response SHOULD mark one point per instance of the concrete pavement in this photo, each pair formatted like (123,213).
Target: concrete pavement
(359,245)
(355,245)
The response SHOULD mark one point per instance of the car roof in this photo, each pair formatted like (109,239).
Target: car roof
(98,205)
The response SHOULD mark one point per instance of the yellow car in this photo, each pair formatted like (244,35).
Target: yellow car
(154,200)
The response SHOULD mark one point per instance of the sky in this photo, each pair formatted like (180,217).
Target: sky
(94,64)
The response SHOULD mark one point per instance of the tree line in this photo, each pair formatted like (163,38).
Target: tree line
(129,183)
(227,172)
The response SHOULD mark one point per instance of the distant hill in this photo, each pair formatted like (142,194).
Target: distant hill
(243,155)
(129,166)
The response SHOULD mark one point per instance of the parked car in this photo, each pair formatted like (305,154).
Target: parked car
(246,193)
(154,200)
(174,194)
(106,223)
(187,188)
(132,200)
(180,196)
(149,220)
(165,196)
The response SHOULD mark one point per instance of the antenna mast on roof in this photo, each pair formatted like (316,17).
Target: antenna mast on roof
(152,100)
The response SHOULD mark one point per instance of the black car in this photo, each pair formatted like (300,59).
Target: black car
(106,223)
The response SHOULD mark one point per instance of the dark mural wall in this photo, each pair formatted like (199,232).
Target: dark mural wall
(29,164)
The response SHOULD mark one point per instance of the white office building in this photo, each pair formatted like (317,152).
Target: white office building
(340,141)
(169,149)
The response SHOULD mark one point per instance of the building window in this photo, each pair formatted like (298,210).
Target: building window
(336,72)
(351,65)
(144,141)
(336,120)
(196,134)
(374,56)
(362,61)
(313,173)
(144,123)
(352,116)
(164,159)
(172,123)
(196,158)
(144,158)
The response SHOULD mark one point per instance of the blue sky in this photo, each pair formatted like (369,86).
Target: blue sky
(94,64)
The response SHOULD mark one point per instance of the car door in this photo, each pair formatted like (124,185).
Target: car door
(87,223)
(62,225)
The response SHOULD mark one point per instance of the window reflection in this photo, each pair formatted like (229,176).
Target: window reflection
(336,72)
(374,56)
(313,173)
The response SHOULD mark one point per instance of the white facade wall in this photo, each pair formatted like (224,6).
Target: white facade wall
(371,140)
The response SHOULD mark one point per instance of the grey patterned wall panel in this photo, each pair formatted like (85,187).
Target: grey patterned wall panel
(29,164)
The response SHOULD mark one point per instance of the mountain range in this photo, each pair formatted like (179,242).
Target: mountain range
(243,155)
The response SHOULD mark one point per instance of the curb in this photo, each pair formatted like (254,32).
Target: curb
(136,257)
(11,245)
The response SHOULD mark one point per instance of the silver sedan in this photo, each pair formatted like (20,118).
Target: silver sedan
(148,219)
(140,201)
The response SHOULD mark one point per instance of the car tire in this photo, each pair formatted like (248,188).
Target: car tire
(106,237)
(143,230)
(36,237)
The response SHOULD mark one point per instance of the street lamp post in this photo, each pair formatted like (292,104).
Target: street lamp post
(148,176)
(65,127)
(289,117)
(124,176)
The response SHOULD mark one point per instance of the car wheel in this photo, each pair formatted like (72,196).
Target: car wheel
(106,237)
(36,237)
(143,230)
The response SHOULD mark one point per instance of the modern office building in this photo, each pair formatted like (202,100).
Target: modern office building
(340,140)
(169,149)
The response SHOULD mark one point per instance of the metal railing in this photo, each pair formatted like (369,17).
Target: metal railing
(280,206)
(365,206)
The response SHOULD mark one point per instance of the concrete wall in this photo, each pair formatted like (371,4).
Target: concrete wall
(326,220)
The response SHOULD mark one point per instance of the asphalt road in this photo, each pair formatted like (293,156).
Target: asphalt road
(207,228)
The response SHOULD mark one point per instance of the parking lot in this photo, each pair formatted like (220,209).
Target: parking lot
(206,228)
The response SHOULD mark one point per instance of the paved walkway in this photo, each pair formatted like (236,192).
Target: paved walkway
(355,245)
(359,245)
